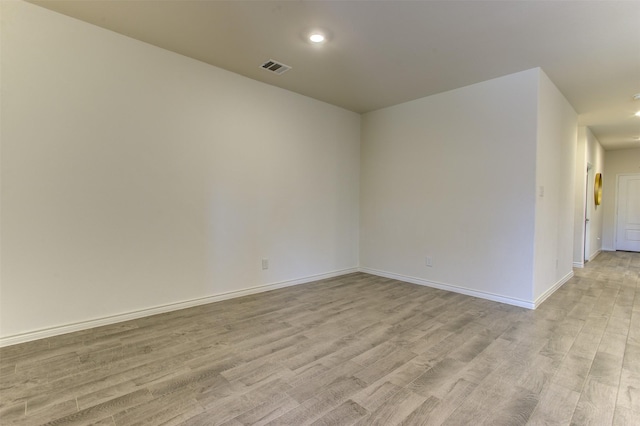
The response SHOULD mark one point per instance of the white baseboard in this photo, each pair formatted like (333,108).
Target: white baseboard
(594,255)
(456,289)
(113,319)
(552,290)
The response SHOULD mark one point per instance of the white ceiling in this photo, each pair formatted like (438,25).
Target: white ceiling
(382,53)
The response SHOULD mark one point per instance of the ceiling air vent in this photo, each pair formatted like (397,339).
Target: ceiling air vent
(275,67)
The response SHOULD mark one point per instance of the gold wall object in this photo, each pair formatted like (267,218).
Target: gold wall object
(597,189)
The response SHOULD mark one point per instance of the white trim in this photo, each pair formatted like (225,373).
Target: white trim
(552,290)
(615,214)
(578,264)
(585,202)
(113,319)
(453,288)
(594,255)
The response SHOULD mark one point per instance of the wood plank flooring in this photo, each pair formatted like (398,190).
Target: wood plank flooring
(354,350)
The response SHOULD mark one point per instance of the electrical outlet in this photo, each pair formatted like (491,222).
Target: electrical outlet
(265,263)
(428,261)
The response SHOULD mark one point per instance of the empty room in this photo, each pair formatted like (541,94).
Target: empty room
(319,212)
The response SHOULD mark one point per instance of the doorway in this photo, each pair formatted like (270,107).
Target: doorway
(587,213)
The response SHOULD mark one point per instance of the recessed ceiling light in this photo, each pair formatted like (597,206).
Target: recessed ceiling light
(317,37)
(638,114)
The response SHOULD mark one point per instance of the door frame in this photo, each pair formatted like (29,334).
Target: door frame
(615,216)
(586,246)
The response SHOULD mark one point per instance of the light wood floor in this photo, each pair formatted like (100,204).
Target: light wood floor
(358,350)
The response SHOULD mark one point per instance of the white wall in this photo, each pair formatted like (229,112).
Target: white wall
(589,151)
(624,161)
(136,180)
(133,177)
(452,176)
(595,157)
(555,200)
(580,181)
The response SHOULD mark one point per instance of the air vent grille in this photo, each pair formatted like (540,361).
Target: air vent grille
(275,67)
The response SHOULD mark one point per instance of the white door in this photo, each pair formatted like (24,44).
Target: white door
(587,213)
(628,217)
